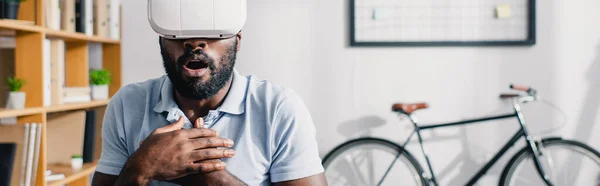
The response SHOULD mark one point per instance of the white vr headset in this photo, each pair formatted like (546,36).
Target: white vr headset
(183,19)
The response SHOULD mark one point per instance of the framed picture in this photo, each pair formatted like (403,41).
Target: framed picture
(442,23)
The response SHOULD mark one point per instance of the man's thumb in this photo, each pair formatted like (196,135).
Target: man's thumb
(172,127)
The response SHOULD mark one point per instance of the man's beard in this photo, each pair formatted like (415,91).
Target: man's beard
(194,88)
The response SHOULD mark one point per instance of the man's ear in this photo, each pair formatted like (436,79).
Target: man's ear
(239,39)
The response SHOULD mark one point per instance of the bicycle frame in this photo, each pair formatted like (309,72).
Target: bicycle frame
(522,132)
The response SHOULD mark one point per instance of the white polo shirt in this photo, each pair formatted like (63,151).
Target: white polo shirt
(273,133)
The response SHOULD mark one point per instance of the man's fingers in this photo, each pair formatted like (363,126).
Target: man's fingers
(199,123)
(171,127)
(200,133)
(202,143)
(212,153)
(206,166)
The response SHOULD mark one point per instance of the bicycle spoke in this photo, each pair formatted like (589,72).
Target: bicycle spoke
(354,168)
(364,163)
(527,181)
(565,162)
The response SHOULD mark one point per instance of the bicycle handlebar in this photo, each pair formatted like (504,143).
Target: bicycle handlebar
(506,95)
(521,88)
(530,91)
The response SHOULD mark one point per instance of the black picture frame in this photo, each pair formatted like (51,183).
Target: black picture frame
(530,41)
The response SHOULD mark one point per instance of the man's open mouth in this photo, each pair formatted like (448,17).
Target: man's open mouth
(196,64)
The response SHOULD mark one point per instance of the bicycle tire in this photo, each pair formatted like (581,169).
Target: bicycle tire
(525,152)
(357,143)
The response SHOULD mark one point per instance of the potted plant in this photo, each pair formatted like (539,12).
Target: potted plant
(100,79)
(16,98)
(11,8)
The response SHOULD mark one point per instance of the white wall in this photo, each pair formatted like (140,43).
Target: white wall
(303,44)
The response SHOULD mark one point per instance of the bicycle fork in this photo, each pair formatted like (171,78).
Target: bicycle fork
(533,146)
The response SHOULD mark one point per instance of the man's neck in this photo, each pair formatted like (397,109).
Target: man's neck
(193,108)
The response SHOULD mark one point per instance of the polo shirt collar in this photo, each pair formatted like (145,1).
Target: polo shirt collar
(233,103)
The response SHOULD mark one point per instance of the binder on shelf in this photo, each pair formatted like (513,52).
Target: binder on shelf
(80,16)
(89,136)
(57,71)
(53,15)
(114,18)
(46,72)
(24,155)
(68,15)
(101,18)
(7,159)
(36,153)
(89,17)
(30,152)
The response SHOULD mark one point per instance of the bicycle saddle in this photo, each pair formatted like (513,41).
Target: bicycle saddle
(408,108)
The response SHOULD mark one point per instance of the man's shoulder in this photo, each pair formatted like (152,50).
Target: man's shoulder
(277,99)
(269,92)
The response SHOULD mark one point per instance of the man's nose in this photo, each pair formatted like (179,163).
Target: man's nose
(195,44)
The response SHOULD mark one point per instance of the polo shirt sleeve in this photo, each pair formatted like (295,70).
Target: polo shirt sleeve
(295,151)
(114,149)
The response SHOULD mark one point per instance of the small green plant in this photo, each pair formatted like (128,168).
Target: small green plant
(100,77)
(15,84)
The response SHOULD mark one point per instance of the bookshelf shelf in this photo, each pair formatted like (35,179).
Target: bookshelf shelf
(70,174)
(74,36)
(15,25)
(76,106)
(5,113)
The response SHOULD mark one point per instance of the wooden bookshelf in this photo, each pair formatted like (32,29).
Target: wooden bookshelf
(29,32)
(70,174)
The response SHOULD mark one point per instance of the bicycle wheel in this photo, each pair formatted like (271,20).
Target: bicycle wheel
(364,161)
(566,163)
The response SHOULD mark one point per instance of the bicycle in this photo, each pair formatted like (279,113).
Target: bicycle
(540,153)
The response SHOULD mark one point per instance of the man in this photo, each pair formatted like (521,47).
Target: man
(204,124)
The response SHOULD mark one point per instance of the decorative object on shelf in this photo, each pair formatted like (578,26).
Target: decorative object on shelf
(11,8)
(16,98)
(76,162)
(100,79)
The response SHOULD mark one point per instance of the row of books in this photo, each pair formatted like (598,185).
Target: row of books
(56,92)
(21,149)
(91,17)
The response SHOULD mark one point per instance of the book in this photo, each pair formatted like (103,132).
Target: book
(7,158)
(24,155)
(89,17)
(101,18)
(67,15)
(114,18)
(46,68)
(30,152)
(80,16)
(53,20)
(89,136)
(57,72)
(36,153)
